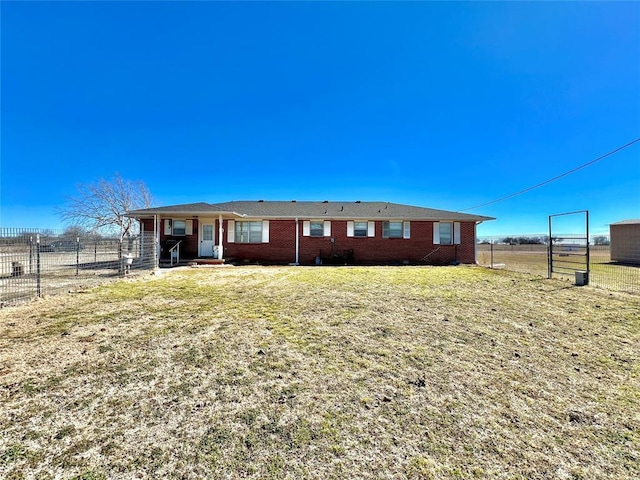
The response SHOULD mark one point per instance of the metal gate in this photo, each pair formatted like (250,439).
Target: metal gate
(568,254)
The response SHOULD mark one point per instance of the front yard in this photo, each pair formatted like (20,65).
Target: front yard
(324,373)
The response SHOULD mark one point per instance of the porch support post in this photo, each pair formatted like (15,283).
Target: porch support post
(156,235)
(220,234)
(142,250)
(297,242)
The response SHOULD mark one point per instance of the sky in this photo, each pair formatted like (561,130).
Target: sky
(444,105)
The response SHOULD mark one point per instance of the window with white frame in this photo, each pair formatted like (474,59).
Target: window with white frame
(392,230)
(248,232)
(360,229)
(179,227)
(446,233)
(396,229)
(316,229)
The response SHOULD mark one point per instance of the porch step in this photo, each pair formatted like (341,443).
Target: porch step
(206,261)
(175,264)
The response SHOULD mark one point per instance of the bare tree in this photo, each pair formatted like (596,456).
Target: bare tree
(102,206)
(73,231)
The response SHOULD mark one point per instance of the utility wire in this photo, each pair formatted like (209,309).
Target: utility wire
(555,178)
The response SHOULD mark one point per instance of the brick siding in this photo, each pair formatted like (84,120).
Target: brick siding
(368,250)
(281,248)
(189,245)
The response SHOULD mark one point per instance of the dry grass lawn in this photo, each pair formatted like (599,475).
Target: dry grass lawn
(324,373)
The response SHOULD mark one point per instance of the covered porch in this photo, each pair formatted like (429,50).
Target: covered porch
(186,240)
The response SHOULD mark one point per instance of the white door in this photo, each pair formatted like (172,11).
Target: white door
(207,238)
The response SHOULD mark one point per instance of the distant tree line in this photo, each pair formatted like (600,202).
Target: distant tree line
(542,240)
(534,240)
(525,240)
(70,233)
(601,240)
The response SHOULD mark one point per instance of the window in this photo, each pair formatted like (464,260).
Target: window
(207,232)
(360,229)
(392,230)
(179,227)
(316,229)
(248,232)
(446,233)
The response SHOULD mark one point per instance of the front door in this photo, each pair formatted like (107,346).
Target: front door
(207,238)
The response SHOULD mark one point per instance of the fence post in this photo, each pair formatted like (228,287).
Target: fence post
(120,259)
(491,247)
(38,290)
(77,255)
(31,255)
(550,253)
(588,247)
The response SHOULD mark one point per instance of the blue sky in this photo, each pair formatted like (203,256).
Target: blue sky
(443,105)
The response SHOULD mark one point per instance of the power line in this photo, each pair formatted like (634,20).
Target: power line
(569,172)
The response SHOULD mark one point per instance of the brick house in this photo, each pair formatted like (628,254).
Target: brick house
(309,233)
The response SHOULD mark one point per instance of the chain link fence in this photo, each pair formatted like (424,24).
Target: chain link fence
(36,263)
(530,254)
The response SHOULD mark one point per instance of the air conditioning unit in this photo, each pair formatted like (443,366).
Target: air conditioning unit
(582,278)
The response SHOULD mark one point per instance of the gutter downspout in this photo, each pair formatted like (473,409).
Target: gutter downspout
(297,242)
(220,234)
(475,243)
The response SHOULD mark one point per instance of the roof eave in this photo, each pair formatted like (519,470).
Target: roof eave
(142,214)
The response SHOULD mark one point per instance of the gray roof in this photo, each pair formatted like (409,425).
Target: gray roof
(631,221)
(187,209)
(312,210)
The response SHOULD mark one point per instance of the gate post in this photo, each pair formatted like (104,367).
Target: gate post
(38,291)
(550,252)
(588,247)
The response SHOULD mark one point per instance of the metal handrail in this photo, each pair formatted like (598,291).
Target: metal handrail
(426,257)
(176,247)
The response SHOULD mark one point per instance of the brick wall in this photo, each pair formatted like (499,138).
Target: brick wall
(147,225)
(280,249)
(369,250)
(189,245)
